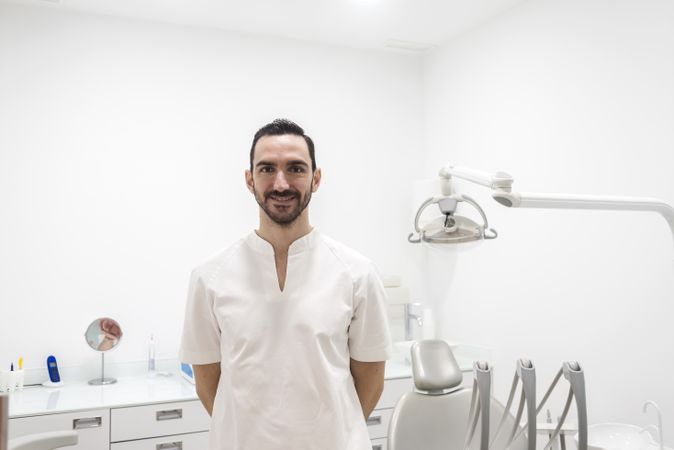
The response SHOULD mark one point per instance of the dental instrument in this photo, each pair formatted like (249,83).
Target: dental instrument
(434,415)
(548,421)
(574,374)
(562,437)
(451,229)
(659,427)
(526,373)
(479,405)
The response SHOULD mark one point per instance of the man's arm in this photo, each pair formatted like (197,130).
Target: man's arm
(369,380)
(206,377)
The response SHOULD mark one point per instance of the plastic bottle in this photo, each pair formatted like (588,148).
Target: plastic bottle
(150,356)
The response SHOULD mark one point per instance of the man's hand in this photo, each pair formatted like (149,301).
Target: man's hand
(369,380)
(206,377)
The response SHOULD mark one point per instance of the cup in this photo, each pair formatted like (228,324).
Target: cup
(11,380)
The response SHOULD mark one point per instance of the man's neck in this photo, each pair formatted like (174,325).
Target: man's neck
(280,237)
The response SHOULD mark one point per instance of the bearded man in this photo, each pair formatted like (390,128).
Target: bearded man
(286,329)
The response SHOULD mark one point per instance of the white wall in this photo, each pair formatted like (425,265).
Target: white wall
(122,151)
(122,148)
(577,97)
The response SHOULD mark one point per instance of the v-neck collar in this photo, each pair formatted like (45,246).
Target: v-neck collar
(298,246)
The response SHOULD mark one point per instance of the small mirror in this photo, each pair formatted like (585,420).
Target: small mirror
(102,335)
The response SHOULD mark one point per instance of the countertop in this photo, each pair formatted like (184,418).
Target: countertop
(171,387)
(79,395)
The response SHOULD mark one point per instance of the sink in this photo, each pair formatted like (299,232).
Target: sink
(619,436)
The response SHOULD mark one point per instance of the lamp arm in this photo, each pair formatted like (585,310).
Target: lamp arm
(498,180)
(596,202)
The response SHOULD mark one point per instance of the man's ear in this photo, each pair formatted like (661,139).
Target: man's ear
(249,181)
(316,182)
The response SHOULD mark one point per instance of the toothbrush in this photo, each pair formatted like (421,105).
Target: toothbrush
(20,363)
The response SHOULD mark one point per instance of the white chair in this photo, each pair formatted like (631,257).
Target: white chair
(44,441)
(40,441)
(435,415)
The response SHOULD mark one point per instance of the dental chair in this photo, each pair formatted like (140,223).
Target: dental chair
(435,416)
(44,441)
(39,441)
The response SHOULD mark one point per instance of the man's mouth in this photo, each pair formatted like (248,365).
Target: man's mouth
(283,198)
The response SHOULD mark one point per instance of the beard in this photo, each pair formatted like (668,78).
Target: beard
(287,214)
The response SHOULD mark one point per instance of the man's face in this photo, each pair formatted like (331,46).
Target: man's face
(282,180)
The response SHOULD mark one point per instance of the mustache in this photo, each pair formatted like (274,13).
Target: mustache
(287,193)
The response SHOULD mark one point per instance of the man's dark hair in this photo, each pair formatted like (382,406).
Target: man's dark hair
(279,127)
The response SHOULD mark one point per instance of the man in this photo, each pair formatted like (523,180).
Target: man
(286,329)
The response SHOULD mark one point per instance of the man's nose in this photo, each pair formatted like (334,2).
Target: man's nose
(280,182)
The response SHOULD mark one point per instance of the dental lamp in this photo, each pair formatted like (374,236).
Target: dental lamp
(455,229)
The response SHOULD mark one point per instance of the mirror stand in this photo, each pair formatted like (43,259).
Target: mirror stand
(102,381)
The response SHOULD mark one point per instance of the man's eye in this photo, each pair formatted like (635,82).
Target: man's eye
(266,169)
(297,169)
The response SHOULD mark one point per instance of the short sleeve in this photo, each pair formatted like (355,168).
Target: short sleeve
(200,343)
(369,335)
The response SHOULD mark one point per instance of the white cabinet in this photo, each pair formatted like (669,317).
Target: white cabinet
(192,441)
(393,390)
(162,426)
(93,427)
(162,419)
(379,444)
(378,422)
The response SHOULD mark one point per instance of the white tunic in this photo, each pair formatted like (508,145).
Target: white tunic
(284,355)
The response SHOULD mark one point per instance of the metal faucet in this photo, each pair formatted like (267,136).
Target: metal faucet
(659,427)
(411,316)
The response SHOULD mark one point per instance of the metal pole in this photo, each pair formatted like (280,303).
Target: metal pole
(4,421)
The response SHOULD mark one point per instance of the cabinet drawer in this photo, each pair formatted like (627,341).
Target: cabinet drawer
(393,390)
(378,444)
(93,427)
(192,441)
(162,419)
(377,423)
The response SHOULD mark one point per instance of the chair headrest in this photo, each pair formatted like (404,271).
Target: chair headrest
(434,367)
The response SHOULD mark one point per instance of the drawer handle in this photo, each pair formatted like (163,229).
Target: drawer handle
(88,422)
(377,447)
(170,446)
(373,420)
(170,414)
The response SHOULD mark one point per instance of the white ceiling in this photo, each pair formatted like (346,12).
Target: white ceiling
(353,23)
